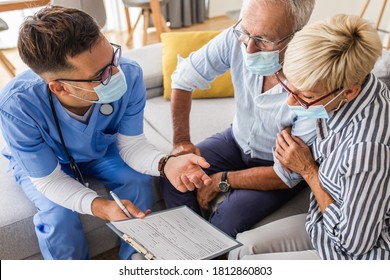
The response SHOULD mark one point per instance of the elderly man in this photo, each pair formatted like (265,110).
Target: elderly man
(79,111)
(241,157)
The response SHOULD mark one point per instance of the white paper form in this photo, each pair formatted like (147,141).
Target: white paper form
(177,234)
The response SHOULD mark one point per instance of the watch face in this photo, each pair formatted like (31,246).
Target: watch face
(223,186)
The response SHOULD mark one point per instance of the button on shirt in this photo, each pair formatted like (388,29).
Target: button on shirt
(259,116)
(353,150)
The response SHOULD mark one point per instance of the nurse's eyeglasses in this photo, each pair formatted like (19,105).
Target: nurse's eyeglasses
(106,73)
(302,102)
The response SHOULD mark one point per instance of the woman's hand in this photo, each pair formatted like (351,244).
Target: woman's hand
(293,153)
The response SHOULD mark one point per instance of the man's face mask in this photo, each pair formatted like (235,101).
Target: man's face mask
(262,63)
(109,93)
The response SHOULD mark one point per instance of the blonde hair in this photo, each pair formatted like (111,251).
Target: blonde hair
(336,53)
(300,9)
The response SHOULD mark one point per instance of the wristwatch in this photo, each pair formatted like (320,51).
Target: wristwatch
(223,185)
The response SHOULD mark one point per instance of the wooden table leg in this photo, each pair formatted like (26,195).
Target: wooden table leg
(364,8)
(8,65)
(381,14)
(156,11)
(128,21)
(158,20)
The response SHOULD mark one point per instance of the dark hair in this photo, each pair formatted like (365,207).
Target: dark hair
(53,34)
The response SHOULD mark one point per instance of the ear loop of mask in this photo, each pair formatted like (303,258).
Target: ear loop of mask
(89,90)
(341,102)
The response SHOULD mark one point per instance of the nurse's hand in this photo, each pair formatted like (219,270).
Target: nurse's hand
(110,211)
(185,172)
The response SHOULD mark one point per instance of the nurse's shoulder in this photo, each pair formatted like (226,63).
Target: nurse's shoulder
(25,88)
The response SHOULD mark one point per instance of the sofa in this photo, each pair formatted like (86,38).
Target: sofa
(17,236)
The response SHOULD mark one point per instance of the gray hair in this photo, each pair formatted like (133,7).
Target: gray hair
(300,9)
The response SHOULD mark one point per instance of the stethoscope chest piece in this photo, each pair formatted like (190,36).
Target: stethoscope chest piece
(106,109)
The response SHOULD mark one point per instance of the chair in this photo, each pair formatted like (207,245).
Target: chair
(95,9)
(378,22)
(147,7)
(8,65)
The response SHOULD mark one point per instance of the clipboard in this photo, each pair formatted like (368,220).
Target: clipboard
(174,234)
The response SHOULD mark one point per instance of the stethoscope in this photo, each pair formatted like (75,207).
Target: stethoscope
(105,109)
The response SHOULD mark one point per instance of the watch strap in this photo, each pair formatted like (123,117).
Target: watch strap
(224,176)
(161,164)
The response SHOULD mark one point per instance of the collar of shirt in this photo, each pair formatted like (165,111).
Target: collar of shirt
(366,96)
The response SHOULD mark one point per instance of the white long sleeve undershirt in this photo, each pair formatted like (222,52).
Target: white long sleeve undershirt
(66,191)
(139,154)
(62,189)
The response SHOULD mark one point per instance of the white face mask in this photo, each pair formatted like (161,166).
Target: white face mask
(315,112)
(262,63)
(109,93)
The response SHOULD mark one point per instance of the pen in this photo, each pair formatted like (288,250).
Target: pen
(120,204)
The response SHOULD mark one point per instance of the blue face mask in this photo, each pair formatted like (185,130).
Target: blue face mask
(261,63)
(109,93)
(315,112)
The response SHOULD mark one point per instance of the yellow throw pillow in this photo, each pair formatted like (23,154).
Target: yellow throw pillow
(183,43)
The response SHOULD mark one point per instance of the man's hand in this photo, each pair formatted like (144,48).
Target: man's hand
(110,211)
(183,148)
(207,194)
(185,172)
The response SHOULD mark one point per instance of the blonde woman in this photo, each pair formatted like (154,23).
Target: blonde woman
(328,66)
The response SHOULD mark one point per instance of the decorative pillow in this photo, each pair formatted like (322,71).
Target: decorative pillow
(183,43)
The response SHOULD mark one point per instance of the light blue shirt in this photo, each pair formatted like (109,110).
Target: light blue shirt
(32,138)
(260,116)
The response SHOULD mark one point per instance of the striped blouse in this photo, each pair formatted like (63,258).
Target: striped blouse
(353,151)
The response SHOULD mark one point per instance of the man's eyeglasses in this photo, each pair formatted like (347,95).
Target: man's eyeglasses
(106,74)
(302,102)
(260,42)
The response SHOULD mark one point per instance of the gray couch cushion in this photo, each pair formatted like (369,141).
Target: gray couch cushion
(150,59)
(208,116)
(17,237)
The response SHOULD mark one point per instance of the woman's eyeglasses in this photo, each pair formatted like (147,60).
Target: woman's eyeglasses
(302,102)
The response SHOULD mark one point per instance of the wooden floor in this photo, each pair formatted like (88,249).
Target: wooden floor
(217,23)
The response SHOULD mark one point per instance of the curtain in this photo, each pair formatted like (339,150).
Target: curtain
(183,13)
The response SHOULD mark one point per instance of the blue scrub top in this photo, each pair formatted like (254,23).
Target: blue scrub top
(29,129)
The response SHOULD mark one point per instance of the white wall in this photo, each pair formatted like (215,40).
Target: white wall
(323,8)
(326,8)
(220,7)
